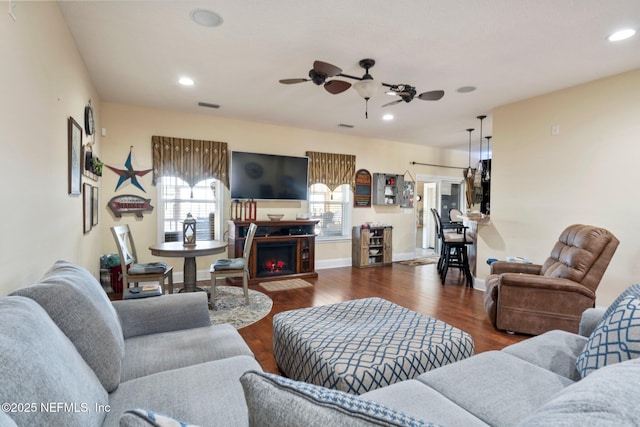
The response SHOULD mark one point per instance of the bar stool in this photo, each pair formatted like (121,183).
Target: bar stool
(453,248)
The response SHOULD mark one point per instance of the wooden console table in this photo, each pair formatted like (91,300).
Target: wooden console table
(298,236)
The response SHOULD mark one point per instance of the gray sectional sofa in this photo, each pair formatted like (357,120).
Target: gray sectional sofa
(555,379)
(69,357)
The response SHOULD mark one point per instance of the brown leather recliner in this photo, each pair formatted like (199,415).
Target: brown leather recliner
(533,298)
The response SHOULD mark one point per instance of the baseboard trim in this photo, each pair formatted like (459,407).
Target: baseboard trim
(178,276)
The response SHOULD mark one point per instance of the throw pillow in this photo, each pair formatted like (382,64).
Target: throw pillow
(76,302)
(45,381)
(278,401)
(145,418)
(617,336)
(608,397)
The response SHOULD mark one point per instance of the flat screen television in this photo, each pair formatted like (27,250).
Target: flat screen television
(268,176)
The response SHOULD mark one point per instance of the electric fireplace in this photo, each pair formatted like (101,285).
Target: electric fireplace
(276,258)
(281,249)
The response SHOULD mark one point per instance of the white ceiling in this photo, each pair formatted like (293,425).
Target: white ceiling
(509,49)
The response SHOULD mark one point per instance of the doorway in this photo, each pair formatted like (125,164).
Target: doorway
(435,192)
(425,225)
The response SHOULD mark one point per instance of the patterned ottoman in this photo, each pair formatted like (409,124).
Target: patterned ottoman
(361,345)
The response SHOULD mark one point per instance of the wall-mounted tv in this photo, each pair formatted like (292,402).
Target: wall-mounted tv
(268,176)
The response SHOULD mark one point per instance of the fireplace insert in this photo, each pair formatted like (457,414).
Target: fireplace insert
(276,258)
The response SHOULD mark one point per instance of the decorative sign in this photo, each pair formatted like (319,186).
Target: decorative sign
(362,197)
(129,203)
(407,194)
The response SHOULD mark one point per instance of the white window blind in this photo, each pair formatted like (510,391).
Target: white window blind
(177,199)
(332,209)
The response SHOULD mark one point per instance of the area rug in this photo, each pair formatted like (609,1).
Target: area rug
(230,307)
(283,285)
(420,261)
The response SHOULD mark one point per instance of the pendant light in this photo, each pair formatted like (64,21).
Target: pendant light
(480,165)
(469,177)
(487,174)
(469,170)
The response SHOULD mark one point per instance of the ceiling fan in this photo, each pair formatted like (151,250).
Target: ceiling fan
(407,93)
(365,85)
(319,74)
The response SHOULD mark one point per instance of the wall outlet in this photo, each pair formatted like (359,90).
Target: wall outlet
(555,130)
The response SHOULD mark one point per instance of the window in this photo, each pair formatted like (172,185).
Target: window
(333,209)
(177,199)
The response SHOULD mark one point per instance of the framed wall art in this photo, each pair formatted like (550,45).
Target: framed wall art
(94,206)
(75,156)
(86,207)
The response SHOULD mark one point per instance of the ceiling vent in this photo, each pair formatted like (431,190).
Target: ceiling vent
(208,105)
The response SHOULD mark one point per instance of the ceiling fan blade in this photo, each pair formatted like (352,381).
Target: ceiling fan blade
(327,69)
(393,102)
(336,86)
(292,81)
(434,95)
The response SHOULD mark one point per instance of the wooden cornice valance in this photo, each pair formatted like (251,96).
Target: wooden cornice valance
(191,160)
(331,169)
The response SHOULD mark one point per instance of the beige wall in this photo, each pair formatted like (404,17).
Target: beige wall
(133,126)
(44,81)
(541,183)
(587,174)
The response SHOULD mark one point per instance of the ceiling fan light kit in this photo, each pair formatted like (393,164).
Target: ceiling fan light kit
(366,86)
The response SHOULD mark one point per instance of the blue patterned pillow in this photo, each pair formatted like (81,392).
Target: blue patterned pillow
(143,417)
(631,290)
(275,401)
(617,336)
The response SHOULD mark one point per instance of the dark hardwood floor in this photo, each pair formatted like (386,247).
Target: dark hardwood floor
(417,288)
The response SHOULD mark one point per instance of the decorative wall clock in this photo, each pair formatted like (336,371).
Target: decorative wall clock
(89,122)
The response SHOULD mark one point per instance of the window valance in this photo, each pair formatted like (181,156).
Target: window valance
(331,169)
(191,160)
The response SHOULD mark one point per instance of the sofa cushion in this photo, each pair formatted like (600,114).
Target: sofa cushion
(478,384)
(555,351)
(421,401)
(6,421)
(203,394)
(607,397)
(172,312)
(145,418)
(76,302)
(617,336)
(40,366)
(277,401)
(148,354)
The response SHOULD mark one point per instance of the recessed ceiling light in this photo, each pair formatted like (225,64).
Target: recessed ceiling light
(387,117)
(466,89)
(206,18)
(186,81)
(621,35)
